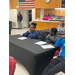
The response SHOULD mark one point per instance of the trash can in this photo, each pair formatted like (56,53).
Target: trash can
(10,27)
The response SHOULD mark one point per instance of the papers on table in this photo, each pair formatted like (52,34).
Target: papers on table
(40,43)
(22,38)
(47,46)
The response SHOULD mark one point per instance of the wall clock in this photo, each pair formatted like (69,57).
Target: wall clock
(47,1)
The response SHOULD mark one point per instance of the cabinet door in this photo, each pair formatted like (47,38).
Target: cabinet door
(57,12)
(37,13)
(62,12)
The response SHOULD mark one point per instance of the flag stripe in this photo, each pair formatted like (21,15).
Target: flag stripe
(27,4)
(27,1)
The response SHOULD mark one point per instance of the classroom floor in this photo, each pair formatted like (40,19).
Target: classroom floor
(20,69)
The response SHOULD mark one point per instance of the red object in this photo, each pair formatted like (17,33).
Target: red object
(12,64)
(52,59)
(63,71)
(60,36)
(59,48)
(56,53)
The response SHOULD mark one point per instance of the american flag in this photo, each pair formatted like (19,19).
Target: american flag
(26,3)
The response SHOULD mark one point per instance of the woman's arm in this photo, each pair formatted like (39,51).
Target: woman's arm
(58,28)
(26,34)
(59,43)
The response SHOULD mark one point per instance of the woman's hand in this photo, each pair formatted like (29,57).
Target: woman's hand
(47,36)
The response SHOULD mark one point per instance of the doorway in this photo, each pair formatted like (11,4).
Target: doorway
(30,16)
(27,17)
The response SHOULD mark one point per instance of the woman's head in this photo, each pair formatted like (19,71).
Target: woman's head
(47,14)
(19,12)
(53,31)
(32,27)
(60,23)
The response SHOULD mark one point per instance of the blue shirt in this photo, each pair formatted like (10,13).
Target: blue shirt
(61,42)
(32,35)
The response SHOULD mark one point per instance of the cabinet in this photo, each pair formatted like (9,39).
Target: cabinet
(62,12)
(57,12)
(37,13)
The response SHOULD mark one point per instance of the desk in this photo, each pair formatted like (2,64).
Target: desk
(32,56)
(42,24)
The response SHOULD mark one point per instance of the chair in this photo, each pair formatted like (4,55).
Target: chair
(12,64)
(60,36)
(57,51)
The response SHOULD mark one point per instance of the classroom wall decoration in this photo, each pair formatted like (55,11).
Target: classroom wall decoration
(63,4)
(26,3)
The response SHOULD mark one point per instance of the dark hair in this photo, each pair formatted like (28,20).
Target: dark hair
(63,24)
(54,30)
(33,25)
(19,11)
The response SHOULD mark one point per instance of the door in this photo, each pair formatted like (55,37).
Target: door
(57,12)
(37,13)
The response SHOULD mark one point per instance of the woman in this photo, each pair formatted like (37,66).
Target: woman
(32,33)
(57,64)
(47,17)
(61,27)
(52,37)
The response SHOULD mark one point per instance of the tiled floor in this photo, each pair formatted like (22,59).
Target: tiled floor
(20,69)
(18,31)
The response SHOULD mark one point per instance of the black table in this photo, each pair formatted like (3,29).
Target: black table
(32,56)
(61,32)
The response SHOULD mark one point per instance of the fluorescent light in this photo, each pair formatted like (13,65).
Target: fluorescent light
(59,8)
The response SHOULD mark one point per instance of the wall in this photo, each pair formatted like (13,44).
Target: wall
(13,4)
(43,4)
(38,4)
(33,14)
(42,14)
(13,16)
